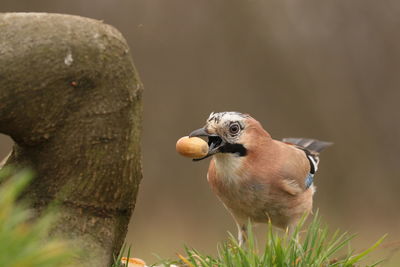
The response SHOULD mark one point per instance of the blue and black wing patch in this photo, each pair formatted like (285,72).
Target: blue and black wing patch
(309,180)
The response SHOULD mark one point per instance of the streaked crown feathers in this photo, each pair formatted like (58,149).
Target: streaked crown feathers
(218,117)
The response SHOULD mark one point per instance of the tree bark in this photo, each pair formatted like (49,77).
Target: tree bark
(70,98)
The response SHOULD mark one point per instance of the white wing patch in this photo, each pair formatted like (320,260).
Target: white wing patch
(314,161)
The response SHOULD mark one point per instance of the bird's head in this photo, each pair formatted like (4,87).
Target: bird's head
(229,132)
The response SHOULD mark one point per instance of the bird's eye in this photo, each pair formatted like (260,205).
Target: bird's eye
(234,128)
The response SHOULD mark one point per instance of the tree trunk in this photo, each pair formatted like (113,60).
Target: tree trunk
(70,98)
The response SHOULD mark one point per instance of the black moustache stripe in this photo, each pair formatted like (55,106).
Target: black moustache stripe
(234,148)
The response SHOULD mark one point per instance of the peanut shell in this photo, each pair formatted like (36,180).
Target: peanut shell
(192,147)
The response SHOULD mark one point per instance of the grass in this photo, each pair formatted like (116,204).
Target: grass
(312,247)
(123,253)
(24,241)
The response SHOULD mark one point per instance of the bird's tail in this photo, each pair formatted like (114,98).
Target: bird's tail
(311,147)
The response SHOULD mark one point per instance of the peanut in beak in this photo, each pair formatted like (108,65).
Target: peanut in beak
(192,147)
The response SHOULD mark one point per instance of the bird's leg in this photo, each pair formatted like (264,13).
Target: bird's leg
(242,234)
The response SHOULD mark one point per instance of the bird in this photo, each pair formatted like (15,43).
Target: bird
(256,177)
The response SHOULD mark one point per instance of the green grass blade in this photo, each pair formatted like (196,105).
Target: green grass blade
(358,257)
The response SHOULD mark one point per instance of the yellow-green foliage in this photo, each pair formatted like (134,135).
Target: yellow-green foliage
(24,241)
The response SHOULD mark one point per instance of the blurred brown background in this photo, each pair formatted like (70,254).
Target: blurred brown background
(321,69)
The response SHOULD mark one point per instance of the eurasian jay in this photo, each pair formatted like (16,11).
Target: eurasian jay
(257,177)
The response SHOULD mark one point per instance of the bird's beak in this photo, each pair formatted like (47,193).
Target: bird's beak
(214,141)
(199,132)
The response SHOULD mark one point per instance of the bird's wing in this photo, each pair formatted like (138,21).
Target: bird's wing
(311,148)
(288,167)
(298,162)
